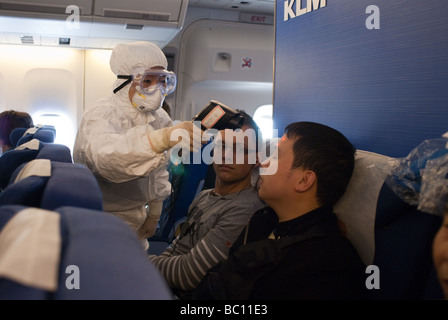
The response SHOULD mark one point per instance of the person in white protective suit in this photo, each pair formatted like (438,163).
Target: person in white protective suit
(123,138)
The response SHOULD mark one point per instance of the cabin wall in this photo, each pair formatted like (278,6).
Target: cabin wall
(99,79)
(208,57)
(49,80)
(224,61)
(385,88)
(42,80)
(212,55)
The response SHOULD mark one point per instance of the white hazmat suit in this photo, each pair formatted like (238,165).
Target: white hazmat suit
(125,145)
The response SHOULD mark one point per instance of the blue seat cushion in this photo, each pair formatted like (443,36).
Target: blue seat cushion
(67,184)
(403,248)
(45,133)
(27,192)
(71,185)
(11,160)
(91,248)
(55,152)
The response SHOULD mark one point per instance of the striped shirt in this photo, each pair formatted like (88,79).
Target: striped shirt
(213,223)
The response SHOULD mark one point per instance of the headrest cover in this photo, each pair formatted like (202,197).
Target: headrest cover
(424,167)
(44,133)
(15,135)
(30,245)
(357,207)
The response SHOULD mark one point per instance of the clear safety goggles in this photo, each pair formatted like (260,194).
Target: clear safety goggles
(149,81)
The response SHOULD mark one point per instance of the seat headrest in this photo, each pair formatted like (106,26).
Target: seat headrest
(15,135)
(44,133)
(34,149)
(71,184)
(50,184)
(11,160)
(387,231)
(73,248)
(55,152)
(357,207)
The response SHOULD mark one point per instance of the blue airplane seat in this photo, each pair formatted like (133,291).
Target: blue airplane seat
(187,180)
(73,253)
(44,133)
(55,152)
(50,184)
(10,160)
(33,149)
(15,135)
(403,249)
(388,233)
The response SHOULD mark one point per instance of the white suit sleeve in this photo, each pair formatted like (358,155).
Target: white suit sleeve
(116,154)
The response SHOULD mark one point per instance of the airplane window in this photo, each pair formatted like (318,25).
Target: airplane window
(65,132)
(263,118)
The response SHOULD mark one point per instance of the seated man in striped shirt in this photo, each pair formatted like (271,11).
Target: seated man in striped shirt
(216,216)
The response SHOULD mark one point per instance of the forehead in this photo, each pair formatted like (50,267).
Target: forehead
(285,144)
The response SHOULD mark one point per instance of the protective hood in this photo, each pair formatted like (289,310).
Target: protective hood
(141,54)
(127,57)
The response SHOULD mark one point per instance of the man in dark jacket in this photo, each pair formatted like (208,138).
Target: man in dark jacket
(293,248)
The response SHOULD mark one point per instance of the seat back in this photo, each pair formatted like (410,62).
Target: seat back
(403,249)
(44,133)
(389,233)
(77,254)
(33,149)
(357,207)
(11,159)
(187,181)
(55,152)
(50,184)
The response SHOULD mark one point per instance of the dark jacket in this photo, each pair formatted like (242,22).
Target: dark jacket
(309,259)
